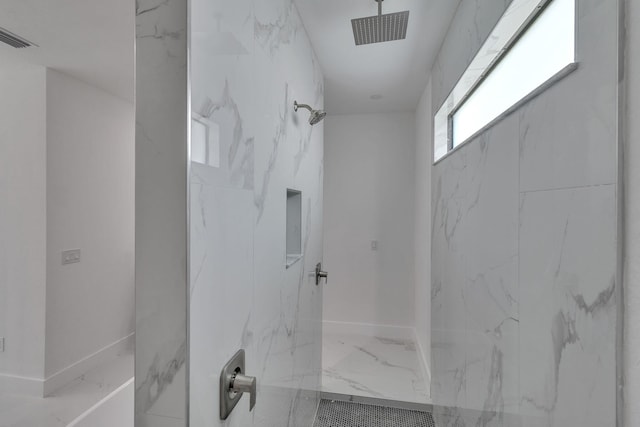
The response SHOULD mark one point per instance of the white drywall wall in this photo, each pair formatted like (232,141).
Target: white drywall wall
(369,192)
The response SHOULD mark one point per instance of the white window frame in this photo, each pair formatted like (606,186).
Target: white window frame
(211,143)
(516,20)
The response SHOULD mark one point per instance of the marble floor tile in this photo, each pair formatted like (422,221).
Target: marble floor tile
(69,402)
(373,367)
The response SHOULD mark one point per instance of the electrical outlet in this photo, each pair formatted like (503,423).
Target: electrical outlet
(1,344)
(70,257)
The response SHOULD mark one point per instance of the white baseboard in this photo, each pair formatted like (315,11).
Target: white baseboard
(368,330)
(23,386)
(79,368)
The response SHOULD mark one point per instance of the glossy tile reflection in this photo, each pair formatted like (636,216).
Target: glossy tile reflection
(68,403)
(374,367)
(246,74)
(525,242)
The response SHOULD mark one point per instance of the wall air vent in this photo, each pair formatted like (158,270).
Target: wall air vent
(13,40)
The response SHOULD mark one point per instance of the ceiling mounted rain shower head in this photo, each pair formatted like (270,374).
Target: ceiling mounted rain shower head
(380,28)
(316,115)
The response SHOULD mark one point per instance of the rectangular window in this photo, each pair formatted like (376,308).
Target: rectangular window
(502,75)
(205,141)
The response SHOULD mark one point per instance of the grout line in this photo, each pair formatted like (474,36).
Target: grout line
(576,187)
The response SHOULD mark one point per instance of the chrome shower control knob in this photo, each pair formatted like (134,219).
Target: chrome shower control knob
(244,384)
(320,274)
(233,384)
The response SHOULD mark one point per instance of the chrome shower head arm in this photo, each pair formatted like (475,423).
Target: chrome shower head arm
(315,117)
(305,106)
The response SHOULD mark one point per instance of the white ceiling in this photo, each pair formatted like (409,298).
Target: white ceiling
(396,70)
(92,40)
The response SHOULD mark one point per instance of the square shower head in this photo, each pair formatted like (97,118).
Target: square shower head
(369,30)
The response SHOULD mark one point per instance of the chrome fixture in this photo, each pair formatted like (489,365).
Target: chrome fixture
(233,384)
(316,115)
(321,274)
(380,28)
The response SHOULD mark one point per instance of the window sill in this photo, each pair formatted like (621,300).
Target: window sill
(560,75)
(292,259)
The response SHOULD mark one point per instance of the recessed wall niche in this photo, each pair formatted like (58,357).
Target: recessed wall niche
(294,226)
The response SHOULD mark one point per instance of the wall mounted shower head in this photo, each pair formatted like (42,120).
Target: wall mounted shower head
(316,115)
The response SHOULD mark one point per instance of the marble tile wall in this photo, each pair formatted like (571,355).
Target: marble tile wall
(632,218)
(524,245)
(250,61)
(161,212)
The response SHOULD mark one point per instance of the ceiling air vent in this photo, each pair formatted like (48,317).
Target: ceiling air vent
(13,40)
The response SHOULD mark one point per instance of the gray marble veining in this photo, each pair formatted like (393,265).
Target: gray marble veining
(279,135)
(276,34)
(249,61)
(366,366)
(524,243)
(568,336)
(238,214)
(240,150)
(161,211)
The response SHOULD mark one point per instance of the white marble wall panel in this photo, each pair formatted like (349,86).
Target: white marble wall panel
(473,22)
(571,130)
(222,64)
(249,62)
(632,219)
(568,307)
(220,277)
(449,368)
(222,217)
(491,285)
(458,417)
(477,309)
(524,243)
(449,201)
(243,296)
(161,212)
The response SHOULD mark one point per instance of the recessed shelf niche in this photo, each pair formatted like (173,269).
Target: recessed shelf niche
(294,227)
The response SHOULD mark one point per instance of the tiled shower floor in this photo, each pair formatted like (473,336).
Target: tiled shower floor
(373,367)
(347,414)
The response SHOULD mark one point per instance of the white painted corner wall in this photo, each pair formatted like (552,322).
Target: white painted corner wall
(90,206)
(369,196)
(66,182)
(378,188)
(22,225)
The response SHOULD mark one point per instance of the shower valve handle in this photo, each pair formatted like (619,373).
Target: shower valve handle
(321,274)
(233,384)
(245,384)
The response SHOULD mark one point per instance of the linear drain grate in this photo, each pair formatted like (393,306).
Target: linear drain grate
(345,414)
